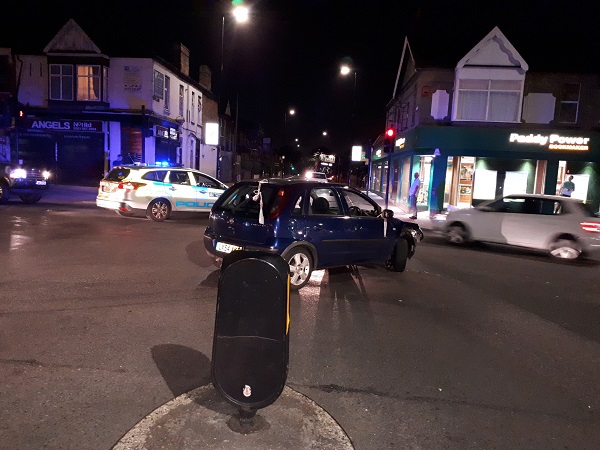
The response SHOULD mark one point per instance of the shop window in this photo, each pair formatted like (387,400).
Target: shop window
(159,85)
(88,83)
(61,82)
(105,84)
(569,104)
(488,100)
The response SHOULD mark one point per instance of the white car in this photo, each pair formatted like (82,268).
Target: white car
(562,226)
(316,176)
(157,191)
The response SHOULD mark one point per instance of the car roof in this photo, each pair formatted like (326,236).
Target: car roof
(290,181)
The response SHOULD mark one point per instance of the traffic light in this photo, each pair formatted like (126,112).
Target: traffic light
(388,142)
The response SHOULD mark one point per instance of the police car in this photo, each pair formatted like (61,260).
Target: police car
(157,190)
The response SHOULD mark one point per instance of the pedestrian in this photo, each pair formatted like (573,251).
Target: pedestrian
(567,187)
(118,161)
(412,196)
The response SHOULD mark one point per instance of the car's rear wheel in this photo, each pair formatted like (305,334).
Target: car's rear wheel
(565,249)
(30,198)
(457,234)
(301,268)
(158,210)
(4,194)
(400,256)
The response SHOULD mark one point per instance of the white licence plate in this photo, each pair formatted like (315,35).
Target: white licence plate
(42,182)
(226,248)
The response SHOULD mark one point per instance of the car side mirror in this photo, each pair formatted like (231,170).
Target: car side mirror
(387,213)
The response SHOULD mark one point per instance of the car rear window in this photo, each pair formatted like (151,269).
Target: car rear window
(117,174)
(242,200)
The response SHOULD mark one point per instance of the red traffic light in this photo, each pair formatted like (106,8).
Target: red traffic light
(390,133)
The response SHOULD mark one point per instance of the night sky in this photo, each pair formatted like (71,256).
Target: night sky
(289,53)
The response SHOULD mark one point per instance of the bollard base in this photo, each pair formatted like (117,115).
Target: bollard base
(247,422)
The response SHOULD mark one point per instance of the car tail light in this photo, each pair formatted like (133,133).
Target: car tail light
(592,227)
(280,202)
(130,186)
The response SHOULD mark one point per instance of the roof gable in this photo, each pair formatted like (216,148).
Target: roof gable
(493,50)
(71,39)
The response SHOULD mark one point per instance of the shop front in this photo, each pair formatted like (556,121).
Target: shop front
(461,167)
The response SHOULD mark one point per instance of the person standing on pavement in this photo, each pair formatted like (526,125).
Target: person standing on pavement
(412,196)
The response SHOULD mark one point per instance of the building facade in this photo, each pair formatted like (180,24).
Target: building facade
(78,109)
(489,127)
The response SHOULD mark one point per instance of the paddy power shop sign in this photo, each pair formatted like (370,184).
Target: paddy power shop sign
(552,141)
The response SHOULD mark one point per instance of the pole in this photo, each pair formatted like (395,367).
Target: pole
(222,57)
(387,180)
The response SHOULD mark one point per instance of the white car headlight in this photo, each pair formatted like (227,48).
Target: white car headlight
(18,173)
(46,174)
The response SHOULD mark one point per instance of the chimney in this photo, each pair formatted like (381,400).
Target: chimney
(182,58)
(205,77)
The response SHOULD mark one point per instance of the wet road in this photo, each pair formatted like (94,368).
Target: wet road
(104,318)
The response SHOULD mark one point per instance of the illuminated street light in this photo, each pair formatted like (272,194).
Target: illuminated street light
(324,133)
(345,71)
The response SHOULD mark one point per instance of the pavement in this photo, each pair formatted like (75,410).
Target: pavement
(203,419)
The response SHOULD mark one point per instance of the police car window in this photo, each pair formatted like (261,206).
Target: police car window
(204,181)
(117,174)
(156,175)
(179,177)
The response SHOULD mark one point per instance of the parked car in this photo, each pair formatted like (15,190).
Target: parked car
(157,191)
(310,224)
(26,182)
(564,227)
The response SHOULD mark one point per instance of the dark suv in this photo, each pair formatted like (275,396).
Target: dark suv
(27,183)
(312,225)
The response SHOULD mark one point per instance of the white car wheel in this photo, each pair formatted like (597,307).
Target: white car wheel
(565,249)
(457,234)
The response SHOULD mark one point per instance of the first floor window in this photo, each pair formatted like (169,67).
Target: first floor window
(88,83)
(488,100)
(61,82)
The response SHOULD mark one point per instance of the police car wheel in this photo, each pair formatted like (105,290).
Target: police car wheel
(30,198)
(300,263)
(3,192)
(158,210)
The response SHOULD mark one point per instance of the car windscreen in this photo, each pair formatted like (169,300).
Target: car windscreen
(243,200)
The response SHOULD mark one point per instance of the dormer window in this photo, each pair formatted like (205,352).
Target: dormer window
(488,100)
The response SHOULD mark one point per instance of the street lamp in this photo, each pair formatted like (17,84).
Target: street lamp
(240,13)
(345,71)
(291,112)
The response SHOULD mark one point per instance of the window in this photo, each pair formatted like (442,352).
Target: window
(105,84)
(404,116)
(167,93)
(158,175)
(88,83)
(179,177)
(159,85)
(181,100)
(324,201)
(488,100)
(199,109)
(61,82)
(193,108)
(569,104)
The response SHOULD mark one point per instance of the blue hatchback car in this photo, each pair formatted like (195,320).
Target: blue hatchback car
(312,225)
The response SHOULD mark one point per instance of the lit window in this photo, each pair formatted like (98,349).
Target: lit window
(61,82)
(88,83)
(488,100)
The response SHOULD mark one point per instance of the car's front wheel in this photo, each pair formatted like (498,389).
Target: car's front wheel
(158,210)
(400,256)
(301,268)
(30,198)
(457,234)
(565,249)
